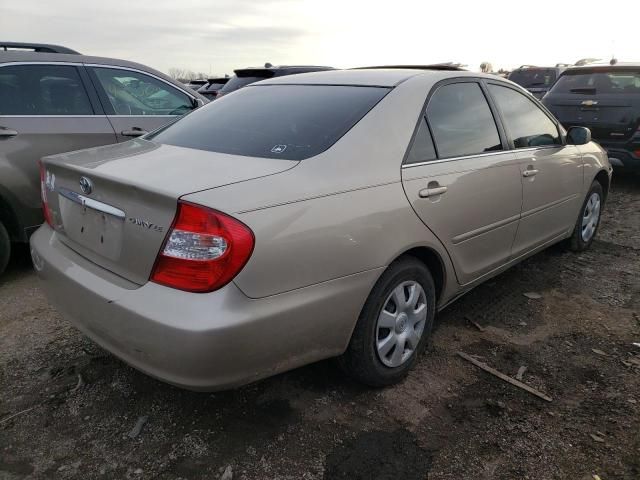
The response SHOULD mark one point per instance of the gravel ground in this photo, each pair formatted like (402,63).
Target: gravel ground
(78,410)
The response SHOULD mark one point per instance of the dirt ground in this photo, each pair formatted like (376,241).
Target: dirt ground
(77,406)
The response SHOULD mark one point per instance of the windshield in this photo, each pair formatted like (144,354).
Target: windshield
(291,122)
(534,77)
(590,82)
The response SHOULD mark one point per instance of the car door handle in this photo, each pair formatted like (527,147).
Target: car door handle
(134,132)
(431,192)
(531,172)
(7,132)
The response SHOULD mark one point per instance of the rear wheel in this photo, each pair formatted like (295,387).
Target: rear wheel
(5,248)
(589,219)
(394,325)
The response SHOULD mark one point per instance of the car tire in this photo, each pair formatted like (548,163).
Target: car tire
(369,358)
(588,220)
(5,248)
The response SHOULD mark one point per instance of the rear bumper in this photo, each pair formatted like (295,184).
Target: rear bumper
(199,341)
(622,154)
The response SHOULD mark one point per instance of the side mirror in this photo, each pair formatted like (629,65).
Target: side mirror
(197,103)
(578,136)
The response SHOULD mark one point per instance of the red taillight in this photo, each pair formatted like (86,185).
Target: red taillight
(203,251)
(44,181)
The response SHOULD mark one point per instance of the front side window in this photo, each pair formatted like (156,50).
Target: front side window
(290,122)
(525,122)
(461,121)
(133,93)
(42,90)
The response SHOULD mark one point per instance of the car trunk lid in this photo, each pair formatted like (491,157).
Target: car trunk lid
(114,205)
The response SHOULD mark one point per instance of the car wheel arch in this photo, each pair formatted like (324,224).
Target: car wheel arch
(9,219)
(602,177)
(434,262)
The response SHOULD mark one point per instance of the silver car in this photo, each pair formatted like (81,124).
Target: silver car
(297,219)
(53,100)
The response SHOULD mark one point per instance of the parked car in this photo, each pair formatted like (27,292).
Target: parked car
(195,84)
(55,102)
(212,87)
(606,99)
(247,76)
(330,214)
(538,80)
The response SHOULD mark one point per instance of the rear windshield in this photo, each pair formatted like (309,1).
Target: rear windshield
(591,82)
(291,122)
(534,77)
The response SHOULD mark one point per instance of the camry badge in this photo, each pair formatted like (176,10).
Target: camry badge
(589,103)
(86,185)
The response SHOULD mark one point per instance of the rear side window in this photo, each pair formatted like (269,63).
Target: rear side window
(292,122)
(422,149)
(134,93)
(593,82)
(461,121)
(42,90)
(525,122)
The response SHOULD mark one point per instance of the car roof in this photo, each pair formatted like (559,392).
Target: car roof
(39,57)
(604,66)
(373,77)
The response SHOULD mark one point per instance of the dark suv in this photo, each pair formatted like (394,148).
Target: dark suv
(245,76)
(212,86)
(538,80)
(606,99)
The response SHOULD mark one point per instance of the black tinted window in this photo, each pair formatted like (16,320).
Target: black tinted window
(534,77)
(461,121)
(42,90)
(422,149)
(291,122)
(525,122)
(592,82)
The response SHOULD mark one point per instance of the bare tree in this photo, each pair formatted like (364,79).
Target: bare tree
(185,75)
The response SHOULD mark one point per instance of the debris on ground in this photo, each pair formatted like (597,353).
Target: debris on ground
(599,352)
(475,324)
(532,295)
(504,377)
(228,473)
(137,428)
(596,438)
(521,371)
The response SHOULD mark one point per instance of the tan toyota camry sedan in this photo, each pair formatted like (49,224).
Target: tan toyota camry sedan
(324,215)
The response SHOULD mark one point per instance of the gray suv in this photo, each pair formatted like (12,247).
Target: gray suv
(54,100)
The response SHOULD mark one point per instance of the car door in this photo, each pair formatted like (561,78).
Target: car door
(462,181)
(44,109)
(137,102)
(551,170)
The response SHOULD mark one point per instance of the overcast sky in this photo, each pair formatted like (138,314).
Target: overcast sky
(216,36)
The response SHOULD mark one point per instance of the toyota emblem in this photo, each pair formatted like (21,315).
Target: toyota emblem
(86,185)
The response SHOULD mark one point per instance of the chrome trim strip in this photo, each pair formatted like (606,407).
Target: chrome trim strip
(487,228)
(465,157)
(92,204)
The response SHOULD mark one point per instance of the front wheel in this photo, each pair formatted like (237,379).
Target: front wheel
(589,219)
(5,248)
(394,325)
